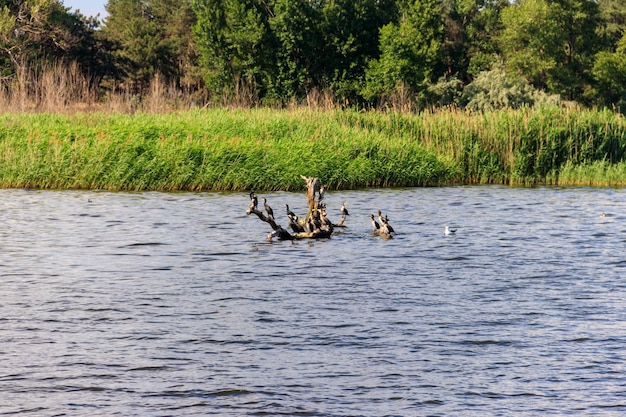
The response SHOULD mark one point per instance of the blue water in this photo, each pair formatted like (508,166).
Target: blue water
(150,304)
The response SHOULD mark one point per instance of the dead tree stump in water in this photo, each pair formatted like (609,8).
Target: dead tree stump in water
(316,224)
(312,188)
(278,231)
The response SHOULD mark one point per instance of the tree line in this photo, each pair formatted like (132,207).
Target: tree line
(477,54)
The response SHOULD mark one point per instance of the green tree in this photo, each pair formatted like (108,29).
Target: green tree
(295,29)
(609,68)
(38,30)
(148,37)
(552,43)
(613,27)
(531,41)
(38,34)
(470,45)
(284,48)
(93,52)
(610,72)
(409,51)
(176,18)
(235,42)
(350,31)
(579,21)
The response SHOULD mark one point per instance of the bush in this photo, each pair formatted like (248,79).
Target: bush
(494,90)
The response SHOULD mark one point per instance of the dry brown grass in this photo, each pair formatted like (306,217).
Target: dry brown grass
(64,89)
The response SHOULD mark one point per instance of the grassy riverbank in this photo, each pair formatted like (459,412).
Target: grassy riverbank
(263,149)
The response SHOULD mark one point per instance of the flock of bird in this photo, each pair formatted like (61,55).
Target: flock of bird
(383,228)
(319,220)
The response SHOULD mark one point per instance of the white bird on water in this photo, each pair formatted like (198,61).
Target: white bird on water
(447,231)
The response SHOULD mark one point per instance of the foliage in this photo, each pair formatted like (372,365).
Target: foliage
(610,71)
(350,32)
(530,40)
(470,29)
(409,49)
(40,32)
(297,36)
(402,54)
(234,39)
(551,43)
(493,90)
(613,17)
(264,149)
(150,37)
(283,49)
(445,92)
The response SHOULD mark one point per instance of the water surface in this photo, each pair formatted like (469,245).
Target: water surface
(176,304)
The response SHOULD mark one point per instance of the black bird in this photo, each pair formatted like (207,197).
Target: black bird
(344,210)
(255,200)
(375,223)
(293,220)
(325,221)
(269,210)
(310,225)
(294,224)
(387,225)
(316,219)
(322,193)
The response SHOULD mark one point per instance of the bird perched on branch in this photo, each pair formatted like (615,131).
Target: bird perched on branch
(293,221)
(323,217)
(344,210)
(322,193)
(269,210)
(387,225)
(383,228)
(254,201)
(295,225)
(375,223)
(384,223)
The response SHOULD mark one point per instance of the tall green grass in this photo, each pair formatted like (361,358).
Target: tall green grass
(526,146)
(264,149)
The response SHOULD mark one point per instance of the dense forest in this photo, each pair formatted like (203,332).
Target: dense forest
(409,54)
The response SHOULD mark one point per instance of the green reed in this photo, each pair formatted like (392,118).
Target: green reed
(263,149)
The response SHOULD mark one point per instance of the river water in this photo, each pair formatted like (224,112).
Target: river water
(150,304)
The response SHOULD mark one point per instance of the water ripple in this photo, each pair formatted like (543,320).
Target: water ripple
(152,304)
